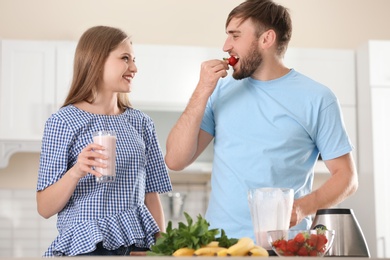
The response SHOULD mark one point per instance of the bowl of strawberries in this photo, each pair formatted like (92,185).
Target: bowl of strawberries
(315,242)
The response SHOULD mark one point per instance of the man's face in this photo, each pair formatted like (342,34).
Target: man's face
(242,43)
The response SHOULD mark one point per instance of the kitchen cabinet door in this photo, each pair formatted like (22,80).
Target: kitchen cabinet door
(380,63)
(167,75)
(332,67)
(64,71)
(27,88)
(373,95)
(34,80)
(381,143)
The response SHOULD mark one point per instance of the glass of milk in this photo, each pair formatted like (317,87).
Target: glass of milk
(108,140)
(270,209)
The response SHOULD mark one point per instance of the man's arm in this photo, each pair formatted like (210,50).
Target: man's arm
(186,141)
(342,183)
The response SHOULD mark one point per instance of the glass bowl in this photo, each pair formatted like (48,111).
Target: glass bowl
(315,242)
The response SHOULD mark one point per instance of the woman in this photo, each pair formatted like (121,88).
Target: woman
(101,218)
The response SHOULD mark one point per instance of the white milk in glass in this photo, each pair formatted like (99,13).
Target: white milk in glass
(108,140)
(270,210)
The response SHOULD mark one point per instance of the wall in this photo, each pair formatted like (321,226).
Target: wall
(317,23)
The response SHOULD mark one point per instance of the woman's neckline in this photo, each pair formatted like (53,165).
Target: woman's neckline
(96,114)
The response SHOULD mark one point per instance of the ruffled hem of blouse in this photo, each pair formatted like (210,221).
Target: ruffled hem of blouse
(124,229)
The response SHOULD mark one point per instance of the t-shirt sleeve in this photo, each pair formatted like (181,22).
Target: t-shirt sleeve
(56,140)
(157,178)
(332,137)
(208,123)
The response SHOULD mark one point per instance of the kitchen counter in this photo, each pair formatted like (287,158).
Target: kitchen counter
(196,173)
(170,257)
(201,178)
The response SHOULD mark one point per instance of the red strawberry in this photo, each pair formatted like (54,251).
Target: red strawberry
(321,241)
(313,253)
(283,245)
(277,243)
(312,240)
(292,246)
(280,245)
(232,60)
(300,238)
(303,251)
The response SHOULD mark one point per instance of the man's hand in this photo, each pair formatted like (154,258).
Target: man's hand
(211,71)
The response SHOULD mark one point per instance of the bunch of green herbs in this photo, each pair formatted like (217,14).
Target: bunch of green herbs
(192,235)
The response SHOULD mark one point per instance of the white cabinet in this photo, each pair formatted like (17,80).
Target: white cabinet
(373,95)
(34,75)
(64,71)
(381,142)
(27,88)
(379,60)
(167,75)
(334,68)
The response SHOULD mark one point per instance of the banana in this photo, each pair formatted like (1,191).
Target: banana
(212,244)
(208,251)
(223,252)
(258,251)
(241,248)
(184,251)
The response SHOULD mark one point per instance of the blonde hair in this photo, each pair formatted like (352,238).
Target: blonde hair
(91,54)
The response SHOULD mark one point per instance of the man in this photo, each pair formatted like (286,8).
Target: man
(269,124)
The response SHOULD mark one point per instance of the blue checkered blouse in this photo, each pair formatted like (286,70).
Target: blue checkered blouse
(115,212)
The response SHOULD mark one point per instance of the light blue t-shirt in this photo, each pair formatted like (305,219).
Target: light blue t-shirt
(268,134)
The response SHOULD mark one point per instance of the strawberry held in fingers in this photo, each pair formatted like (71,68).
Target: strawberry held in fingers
(232,60)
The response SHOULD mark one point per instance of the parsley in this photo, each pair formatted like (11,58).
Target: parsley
(191,235)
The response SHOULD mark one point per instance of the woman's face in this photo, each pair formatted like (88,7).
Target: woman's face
(119,69)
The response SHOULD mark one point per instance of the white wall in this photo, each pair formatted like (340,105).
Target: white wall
(317,23)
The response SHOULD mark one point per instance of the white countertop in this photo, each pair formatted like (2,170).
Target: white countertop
(198,167)
(176,257)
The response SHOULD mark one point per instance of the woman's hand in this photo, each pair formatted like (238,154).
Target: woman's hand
(86,161)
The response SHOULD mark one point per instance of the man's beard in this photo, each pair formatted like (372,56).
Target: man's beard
(249,65)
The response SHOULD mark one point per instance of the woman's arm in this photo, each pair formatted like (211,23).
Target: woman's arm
(153,203)
(53,199)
